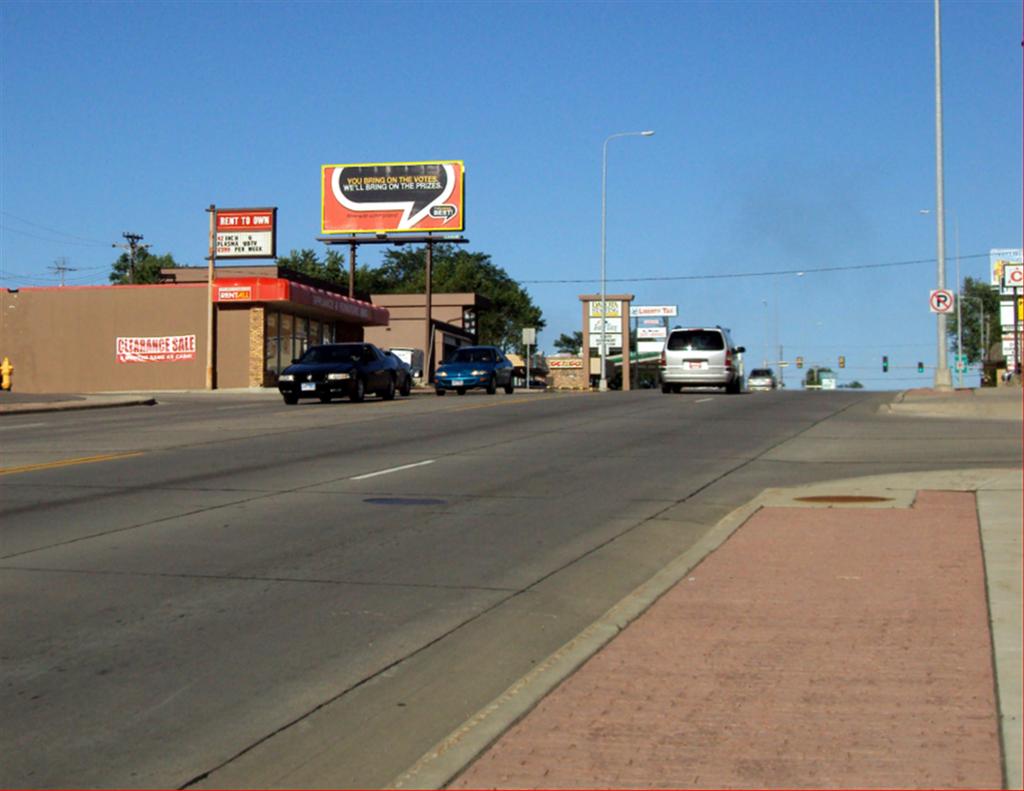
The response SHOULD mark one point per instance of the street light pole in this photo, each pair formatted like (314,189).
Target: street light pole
(943,381)
(603,386)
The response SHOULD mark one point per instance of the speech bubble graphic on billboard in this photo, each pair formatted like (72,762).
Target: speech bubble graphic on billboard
(423,193)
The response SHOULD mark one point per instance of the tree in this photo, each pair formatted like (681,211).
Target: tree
(147,267)
(974,294)
(332,268)
(570,344)
(454,270)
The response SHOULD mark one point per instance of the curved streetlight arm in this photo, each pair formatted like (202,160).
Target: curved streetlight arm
(603,386)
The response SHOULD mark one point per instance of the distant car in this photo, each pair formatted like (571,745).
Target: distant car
(334,370)
(474,366)
(405,374)
(762,379)
(700,357)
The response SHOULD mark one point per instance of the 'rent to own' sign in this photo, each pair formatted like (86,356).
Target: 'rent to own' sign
(246,233)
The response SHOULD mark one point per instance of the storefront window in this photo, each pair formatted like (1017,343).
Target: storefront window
(272,345)
(315,330)
(287,330)
(301,336)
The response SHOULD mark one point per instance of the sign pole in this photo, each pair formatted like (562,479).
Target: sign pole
(209,296)
(352,269)
(1016,332)
(428,366)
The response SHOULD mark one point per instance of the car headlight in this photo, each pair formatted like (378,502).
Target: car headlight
(441,374)
(286,378)
(336,377)
(480,372)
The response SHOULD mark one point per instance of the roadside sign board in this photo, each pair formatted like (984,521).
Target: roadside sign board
(940,300)
(392,197)
(611,309)
(1001,258)
(651,332)
(610,325)
(1006,313)
(247,233)
(635,311)
(612,340)
(1013,277)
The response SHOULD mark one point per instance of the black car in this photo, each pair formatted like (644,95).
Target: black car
(405,374)
(334,370)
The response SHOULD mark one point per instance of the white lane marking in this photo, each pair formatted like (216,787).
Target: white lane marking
(23,425)
(702,400)
(393,469)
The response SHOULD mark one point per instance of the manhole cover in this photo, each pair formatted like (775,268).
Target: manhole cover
(843,498)
(403,501)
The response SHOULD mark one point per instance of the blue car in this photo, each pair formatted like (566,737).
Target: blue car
(474,366)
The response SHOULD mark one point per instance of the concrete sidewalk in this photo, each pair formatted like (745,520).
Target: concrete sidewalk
(860,633)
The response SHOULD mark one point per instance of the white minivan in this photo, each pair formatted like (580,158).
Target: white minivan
(700,357)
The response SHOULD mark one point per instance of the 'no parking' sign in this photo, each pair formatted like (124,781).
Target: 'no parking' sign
(941,301)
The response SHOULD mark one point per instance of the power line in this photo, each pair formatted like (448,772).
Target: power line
(81,239)
(727,275)
(60,266)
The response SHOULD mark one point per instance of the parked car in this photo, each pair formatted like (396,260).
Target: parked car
(334,370)
(700,357)
(405,374)
(474,366)
(411,357)
(762,379)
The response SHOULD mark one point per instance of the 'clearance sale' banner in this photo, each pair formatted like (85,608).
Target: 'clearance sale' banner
(392,197)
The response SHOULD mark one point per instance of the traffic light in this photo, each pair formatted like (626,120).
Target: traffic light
(842,361)
(920,367)
(885,364)
(799,362)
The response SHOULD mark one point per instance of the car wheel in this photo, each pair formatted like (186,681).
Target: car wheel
(510,387)
(733,388)
(439,391)
(358,392)
(666,389)
(389,391)
(492,386)
(677,388)
(460,390)
(325,398)
(406,388)
(291,400)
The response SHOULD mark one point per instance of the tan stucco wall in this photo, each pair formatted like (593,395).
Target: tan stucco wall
(233,346)
(64,340)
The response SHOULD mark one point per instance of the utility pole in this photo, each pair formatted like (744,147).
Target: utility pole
(133,248)
(60,266)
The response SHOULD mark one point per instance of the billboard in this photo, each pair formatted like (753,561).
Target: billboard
(247,233)
(392,197)
(1001,257)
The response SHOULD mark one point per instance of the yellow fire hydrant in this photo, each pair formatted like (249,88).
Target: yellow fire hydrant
(6,369)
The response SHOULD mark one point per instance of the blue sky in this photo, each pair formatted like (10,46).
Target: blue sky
(790,136)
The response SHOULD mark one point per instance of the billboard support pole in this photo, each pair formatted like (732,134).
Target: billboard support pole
(352,269)
(209,297)
(1016,332)
(428,364)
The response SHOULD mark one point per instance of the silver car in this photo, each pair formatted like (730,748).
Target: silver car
(700,357)
(762,379)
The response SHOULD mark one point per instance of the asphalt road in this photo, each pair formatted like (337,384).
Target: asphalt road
(221,591)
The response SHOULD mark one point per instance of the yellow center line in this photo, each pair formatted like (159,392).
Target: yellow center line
(67,463)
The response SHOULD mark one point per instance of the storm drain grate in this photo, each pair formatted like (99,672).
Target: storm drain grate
(843,498)
(403,501)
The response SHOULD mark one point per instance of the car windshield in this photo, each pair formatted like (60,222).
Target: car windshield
(695,341)
(473,356)
(340,353)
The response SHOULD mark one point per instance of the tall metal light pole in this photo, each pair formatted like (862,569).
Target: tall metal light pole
(603,386)
(943,380)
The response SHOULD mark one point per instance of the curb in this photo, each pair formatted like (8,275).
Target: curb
(67,406)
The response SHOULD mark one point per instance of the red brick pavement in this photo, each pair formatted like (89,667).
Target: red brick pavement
(816,648)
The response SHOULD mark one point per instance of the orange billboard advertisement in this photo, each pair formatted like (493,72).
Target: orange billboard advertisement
(392,197)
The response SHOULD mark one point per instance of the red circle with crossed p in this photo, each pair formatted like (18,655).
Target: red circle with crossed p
(941,301)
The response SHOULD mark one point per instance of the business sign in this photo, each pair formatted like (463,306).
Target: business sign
(564,362)
(1013,277)
(610,325)
(1006,312)
(392,197)
(246,233)
(611,341)
(1000,258)
(651,332)
(158,349)
(611,309)
(635,311)
(234,294)
(647,347)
